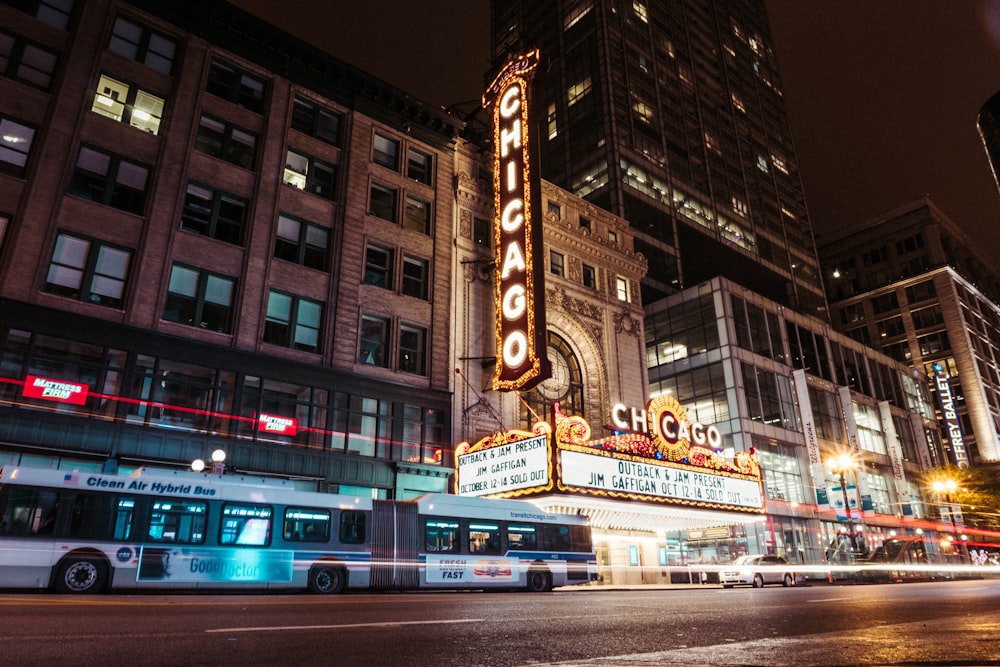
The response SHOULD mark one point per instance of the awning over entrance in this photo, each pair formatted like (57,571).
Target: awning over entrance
(633,515)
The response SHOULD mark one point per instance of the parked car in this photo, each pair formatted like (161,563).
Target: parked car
(757,571)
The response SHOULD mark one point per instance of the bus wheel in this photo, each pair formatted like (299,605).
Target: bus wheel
(326,579)
(539,581)
(79,574)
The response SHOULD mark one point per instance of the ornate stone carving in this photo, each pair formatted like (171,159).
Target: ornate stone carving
(626,324)
(465,224)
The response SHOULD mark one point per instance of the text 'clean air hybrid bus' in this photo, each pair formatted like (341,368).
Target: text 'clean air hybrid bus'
(81,532)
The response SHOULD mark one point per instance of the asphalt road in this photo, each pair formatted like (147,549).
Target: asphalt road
(937,623)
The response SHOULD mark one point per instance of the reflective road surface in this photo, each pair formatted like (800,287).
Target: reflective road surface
(935,623)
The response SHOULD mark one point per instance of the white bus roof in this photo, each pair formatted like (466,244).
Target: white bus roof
(444,504)
(182,484)
(185,484)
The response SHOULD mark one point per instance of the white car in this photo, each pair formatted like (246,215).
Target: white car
(756,571)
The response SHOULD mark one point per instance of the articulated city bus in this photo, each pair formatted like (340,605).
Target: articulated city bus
(81,532)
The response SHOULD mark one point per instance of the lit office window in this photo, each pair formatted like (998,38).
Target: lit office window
(305,172)
(128,104)
(577,91)
(622,290)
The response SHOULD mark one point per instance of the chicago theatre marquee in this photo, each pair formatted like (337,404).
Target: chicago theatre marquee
(659,475)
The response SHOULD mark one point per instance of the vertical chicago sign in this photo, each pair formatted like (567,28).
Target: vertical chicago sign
(517,229)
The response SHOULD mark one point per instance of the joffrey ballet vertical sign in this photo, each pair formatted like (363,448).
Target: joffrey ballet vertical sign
(522,361)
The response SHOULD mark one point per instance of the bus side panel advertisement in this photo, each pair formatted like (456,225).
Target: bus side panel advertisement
(458,568)
(181,564)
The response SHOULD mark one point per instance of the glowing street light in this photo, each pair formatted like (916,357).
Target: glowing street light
(944,487)
(218,463)
(840,465)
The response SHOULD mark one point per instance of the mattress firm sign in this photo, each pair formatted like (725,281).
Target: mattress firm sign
(517,465)
(620,477)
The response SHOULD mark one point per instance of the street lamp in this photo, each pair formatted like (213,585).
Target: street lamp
(944,488)
(840,465)
(218,463)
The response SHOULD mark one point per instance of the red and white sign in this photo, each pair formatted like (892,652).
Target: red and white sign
(278,425)
(55,390)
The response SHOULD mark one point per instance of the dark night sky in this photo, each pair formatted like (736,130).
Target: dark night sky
(883,95)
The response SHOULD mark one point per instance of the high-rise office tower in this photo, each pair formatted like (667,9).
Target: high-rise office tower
(670,114)
(989,130)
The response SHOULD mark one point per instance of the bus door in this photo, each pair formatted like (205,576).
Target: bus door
(27,526)
(395,545)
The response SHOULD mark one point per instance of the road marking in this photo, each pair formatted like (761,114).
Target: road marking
(383,624)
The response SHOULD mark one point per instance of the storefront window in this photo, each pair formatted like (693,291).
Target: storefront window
(97,369)
(283,412)
(178,395)
(361,425)
(782,470)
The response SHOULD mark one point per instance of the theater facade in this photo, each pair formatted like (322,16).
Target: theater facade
(690,431)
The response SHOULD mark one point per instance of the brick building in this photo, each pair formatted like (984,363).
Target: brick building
(220,237)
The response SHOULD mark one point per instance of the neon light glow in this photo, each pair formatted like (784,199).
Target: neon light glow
(519,292)
(55,390)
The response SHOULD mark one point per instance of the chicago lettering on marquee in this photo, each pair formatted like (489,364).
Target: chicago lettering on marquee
(661,455)
(522,361)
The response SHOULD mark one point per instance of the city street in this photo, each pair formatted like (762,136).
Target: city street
(917,623)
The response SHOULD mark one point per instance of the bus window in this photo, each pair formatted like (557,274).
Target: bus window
(555,538)
(245,525)
(178,521)
(352,527)
(27,511)
(484,538)
(306,525)
(522,537)
(441,535)
(101,516)
(123,518)
(579,538)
